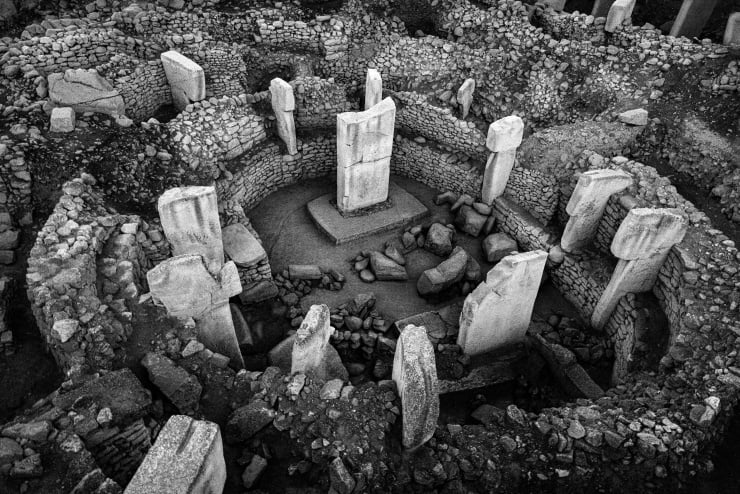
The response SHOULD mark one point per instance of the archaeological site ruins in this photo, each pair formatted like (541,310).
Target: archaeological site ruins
(369,246)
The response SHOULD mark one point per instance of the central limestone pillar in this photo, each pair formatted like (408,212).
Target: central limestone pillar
(373,88)
(283,104)
(498,312)
(504,137)
(641,243)
(364,145)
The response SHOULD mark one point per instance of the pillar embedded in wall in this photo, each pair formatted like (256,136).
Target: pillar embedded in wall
(732,31)
(373,88)
(283,104)
(620,11)
(587,204)
(642,244)
(186,78)
(504,137)
(692,17)
(465,96)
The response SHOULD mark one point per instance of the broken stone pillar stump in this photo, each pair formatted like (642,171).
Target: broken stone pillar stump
(465,96)
(62,120)
(497,313)
(373,88)
(187,458)
(692,17)
(504,137)
(641,243)
(732,31)
(364,146)
(620,11)
(283,104)
(191,224)
(186,78)
(415,374)
(587,204)
(601,8)
(311,340)
(187,289)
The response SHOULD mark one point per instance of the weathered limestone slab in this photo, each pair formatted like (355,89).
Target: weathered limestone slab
(187,289)
(187,458)
(641,243)
(601,8)
(465,96)
(620,11)
(415,374)
(447,273)
(497,313)
(504,137)
(311,341)
(85,90)
(186,78)
(587,204)
(241,246)
(191,224)
(692,17)
(732,31)
(557,5)
(636,116)
(62,120)
(283,104)
(373,88)
(364,145)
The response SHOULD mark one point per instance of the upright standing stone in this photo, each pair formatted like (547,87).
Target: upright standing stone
(692,17)
(187,289)
(187,458)
(732,31)
(641,243)
(587,204)
(504,137)
(601,8)
(311,341)
(190,221)
(415,374)
(620,11)
(373,88)
(283,104)
(465,96)
(186,78)
(498,312)
(364,146)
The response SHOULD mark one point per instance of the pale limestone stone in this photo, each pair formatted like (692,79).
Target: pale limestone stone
(415,374)
(283,104)
(62,119)
(601,8)
(497,313)
(186,78)
(732,31)
(85,90)
(637,116)
(642,244)
(587,204)
(373,88)
(191,224)
(620,11)
(557,5)
(465,96)
(504,137)
(241,246)
(187,458)
(311,340)
(692,17)
(364,145)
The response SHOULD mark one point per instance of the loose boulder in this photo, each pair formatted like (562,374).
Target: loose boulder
(85,90)
(449,272)
(439,240)
(497,246)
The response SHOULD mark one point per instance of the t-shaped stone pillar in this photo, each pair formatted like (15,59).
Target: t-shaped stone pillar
(587,203)
(373,88)
(465,96)
(415,374)
(620,11)
(498,312)
(283,104)
(190,222)
(186,78)
(311,341)
(187,458)
(504,137)
(364,146)
(187,289)
(641,243)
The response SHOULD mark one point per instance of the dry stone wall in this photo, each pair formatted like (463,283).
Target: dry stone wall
(142,84)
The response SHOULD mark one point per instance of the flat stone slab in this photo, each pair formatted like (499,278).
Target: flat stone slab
(241,246)
(480,377)
(405,209)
